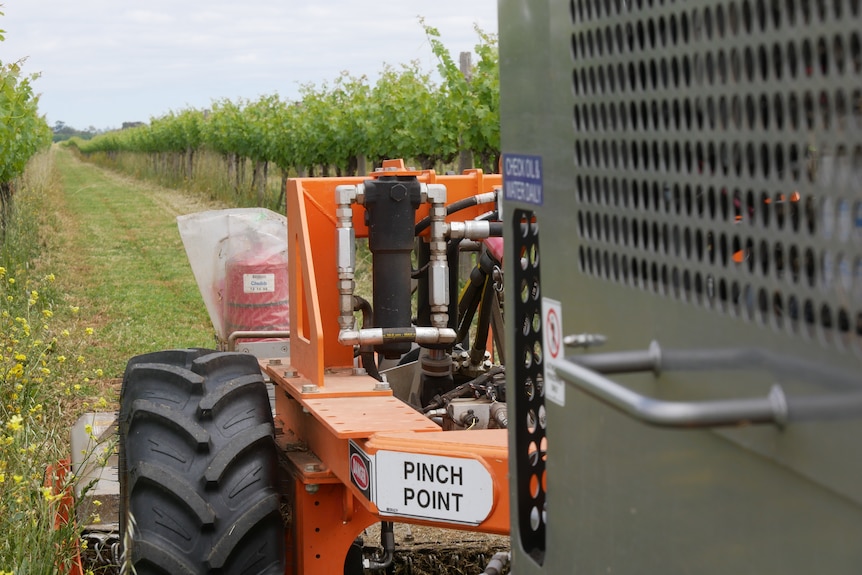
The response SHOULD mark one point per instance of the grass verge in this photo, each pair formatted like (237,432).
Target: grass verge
(43,345)
(92,272)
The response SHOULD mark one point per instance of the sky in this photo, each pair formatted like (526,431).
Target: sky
(105,62)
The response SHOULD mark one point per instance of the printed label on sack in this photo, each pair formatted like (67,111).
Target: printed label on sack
(258,283)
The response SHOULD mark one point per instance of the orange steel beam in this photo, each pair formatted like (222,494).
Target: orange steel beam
(325,411)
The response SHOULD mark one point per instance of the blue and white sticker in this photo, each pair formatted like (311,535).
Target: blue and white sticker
(522,179)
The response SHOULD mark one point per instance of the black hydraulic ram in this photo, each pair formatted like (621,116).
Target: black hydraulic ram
(391,203)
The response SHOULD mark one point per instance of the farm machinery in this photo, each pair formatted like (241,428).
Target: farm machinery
(683,384)
(398,417)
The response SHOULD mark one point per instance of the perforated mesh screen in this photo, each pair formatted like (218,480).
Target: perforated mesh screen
(531,444)
(718,153)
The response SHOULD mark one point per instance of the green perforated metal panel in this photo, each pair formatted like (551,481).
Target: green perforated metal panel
(701,210)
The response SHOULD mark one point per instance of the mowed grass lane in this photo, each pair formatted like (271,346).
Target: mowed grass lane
(124,264)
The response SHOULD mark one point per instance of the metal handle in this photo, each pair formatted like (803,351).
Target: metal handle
(776,408)
(254,334)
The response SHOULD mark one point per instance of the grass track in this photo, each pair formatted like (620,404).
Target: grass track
(122,261)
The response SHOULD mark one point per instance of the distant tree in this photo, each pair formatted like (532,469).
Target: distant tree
(63,131)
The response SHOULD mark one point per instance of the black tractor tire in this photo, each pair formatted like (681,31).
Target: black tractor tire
(198,466)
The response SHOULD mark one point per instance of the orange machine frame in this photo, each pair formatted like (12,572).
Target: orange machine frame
(323,404)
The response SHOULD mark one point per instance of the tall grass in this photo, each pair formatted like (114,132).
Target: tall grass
(42,370)
(211,177)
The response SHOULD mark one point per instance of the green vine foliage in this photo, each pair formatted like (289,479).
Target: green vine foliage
(23,132)
(404,114)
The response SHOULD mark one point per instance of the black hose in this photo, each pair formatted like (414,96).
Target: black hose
(366,352)
(423,224)
(387,540)
(464,389)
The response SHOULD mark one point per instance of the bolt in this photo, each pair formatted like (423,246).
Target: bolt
(275,362)
(309,388)
(312,487)
(359,371)
(290,373)
(312,467)
(383,385)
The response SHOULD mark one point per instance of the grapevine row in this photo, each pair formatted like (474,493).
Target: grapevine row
(404,114)
(23,131)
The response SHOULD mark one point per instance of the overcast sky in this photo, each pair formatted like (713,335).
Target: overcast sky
(104,62)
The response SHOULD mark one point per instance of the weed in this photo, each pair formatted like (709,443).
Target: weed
(42,369)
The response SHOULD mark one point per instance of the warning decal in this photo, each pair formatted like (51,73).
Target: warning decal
(433,487)
(552,333)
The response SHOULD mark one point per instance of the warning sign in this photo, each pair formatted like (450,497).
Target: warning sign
(433,487)
(552,335)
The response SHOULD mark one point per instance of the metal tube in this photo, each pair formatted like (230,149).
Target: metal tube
(622,361)
(776,408)
(771,409)
(438,271)
(345,245)
(656,359)
(380,335)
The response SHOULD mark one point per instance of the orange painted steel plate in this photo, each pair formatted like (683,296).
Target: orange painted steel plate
(484,442)
(338,384)
(360,417)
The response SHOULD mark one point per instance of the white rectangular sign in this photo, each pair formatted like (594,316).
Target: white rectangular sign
(433,487)
(258,283)
(552,336)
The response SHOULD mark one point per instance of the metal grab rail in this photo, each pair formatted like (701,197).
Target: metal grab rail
(255,334)
(776,408)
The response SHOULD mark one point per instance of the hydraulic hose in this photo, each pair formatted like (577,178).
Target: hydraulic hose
(387,541)
(454,207)
(366,352)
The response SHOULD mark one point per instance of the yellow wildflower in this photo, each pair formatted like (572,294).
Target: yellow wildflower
(61,358)
(2,480)
(50,277)
(2,273)
(14,423)
(102,403)
(99,373)
(88,429)
(17,478)
(11,280)
(89,331)
(74,308)
(47,313)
